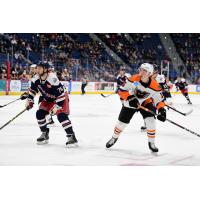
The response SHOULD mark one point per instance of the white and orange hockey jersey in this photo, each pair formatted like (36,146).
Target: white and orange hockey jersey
(145,92)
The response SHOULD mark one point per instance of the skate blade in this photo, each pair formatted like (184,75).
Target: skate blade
(75,145)
(43,142)
(143,130)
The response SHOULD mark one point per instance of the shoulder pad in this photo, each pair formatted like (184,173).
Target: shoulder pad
(53,79)
(118,76)
(154,85)
(134,78)
(35,78)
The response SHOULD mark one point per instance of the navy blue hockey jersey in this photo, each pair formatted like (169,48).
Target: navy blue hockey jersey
(50,89)
(182,84)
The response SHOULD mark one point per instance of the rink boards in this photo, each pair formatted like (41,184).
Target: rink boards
(17,87)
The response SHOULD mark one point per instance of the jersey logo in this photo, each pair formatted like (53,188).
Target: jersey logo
(141,94)
(136,83)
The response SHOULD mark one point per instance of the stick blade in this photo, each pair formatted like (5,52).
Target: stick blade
(189,112)
(103,95)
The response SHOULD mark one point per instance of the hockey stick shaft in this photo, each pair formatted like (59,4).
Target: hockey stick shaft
(13,119)
(107,95)
(10,103)
(172,122)
(185,114)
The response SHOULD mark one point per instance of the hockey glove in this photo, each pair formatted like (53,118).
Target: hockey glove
(55,109)
(29,104)
(133,101)
(161,114)
(24,96)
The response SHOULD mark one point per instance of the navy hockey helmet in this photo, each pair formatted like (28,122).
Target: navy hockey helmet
(45,65)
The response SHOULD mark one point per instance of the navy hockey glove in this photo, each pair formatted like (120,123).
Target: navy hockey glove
(161,114)
(29,104)
(133,101)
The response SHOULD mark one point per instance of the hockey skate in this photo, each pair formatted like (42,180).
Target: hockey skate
(189,102)
(143,128)
(44,138)
(111,142)
(72,141)
(152,147)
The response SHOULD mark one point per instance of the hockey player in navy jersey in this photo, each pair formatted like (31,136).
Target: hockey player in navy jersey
(32,73)
(160,78)
(121,79)
(182,85)
(55,100)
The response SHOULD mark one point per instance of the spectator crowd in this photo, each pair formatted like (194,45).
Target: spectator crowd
(73,58)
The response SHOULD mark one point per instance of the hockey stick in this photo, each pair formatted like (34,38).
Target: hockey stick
(13,118)
(172,122)
(185,114)
(10,103)
(107,95)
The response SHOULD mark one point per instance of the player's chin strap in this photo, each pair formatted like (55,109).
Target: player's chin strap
(172,122)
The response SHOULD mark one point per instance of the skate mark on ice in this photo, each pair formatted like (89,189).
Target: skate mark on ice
(136,156)
(175,162)
(135,164)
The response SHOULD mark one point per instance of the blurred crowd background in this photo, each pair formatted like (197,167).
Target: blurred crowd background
(99,56)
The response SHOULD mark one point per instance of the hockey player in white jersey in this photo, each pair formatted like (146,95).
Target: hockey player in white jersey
(160,78)
(140,89)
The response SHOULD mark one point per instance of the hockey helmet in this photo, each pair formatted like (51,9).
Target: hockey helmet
(148,67)
(45,65)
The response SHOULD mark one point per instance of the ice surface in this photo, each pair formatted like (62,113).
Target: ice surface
(93,118)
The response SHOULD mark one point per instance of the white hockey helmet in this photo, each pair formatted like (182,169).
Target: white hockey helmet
(33,66)
(148,67)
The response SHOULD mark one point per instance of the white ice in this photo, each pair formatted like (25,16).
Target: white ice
(93,118)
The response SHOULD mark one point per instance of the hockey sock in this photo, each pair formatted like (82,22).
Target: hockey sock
(151,126)
(120,126)
(40,115)
(66,123)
